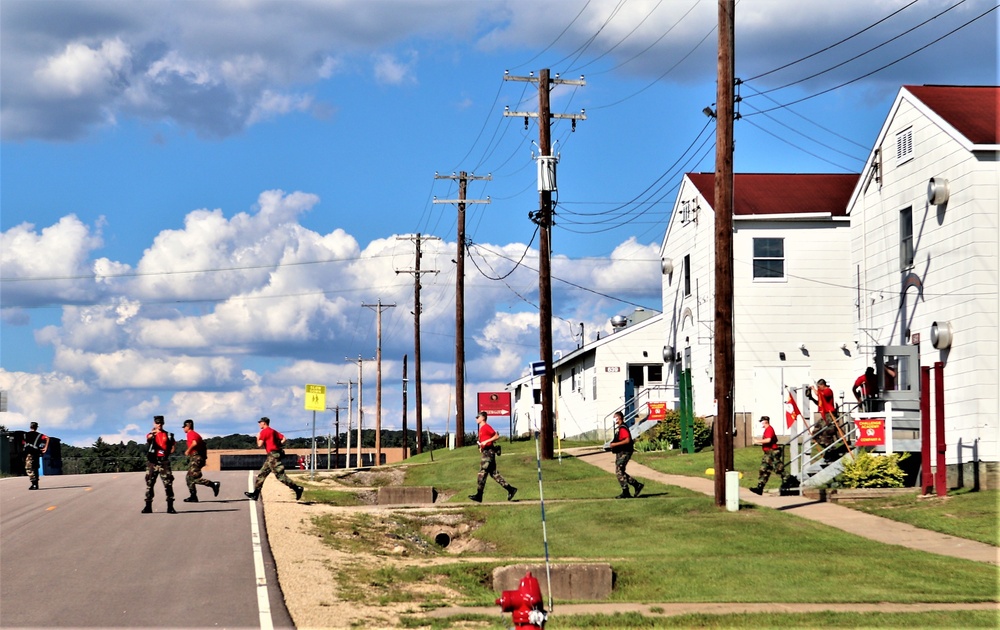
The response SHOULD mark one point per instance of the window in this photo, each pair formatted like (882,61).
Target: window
(904,145)
(768,258)
(685,211)
(687,275)
(906,238)
(655,373)
(577,381)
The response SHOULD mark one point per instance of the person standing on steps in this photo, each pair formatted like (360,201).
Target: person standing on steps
(622,447)
(35,444)
(196,453)
(273,444)
(159,446)
(488,451)
(772,460)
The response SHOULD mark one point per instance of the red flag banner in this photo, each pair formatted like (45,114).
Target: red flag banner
(792,412)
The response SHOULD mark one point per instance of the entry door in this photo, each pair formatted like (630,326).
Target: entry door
(769,394)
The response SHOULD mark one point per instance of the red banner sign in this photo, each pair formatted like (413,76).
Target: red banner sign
(495,403)
(657,411)
(871,432)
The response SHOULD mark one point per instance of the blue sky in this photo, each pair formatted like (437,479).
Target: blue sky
(196,199)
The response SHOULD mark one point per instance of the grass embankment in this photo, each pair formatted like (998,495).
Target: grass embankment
(671,545)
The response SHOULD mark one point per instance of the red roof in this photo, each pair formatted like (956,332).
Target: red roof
(972,110)
(783,193)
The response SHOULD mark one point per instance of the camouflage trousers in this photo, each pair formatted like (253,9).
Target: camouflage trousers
(195,464)
(488,467)
(272,464)
(621,461)
(824,431)
(772,461)
(161,468)
(31,467)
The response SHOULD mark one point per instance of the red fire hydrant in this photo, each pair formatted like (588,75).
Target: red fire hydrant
(525,603)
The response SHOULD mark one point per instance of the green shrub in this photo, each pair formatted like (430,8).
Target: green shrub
(667,434)
(874,471)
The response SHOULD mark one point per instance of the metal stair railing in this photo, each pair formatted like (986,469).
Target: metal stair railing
(643,396)
(813,469)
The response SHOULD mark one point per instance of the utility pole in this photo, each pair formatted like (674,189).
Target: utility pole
(405,440)
(543,217)
(361,411)
(418,393)
(725,366)
(336,435)
(350,403)
(463,181)
(378,308)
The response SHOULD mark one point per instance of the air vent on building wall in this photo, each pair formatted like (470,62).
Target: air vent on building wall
(938,191)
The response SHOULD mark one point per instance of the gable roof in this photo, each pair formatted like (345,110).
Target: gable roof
(971,110)
(783,193)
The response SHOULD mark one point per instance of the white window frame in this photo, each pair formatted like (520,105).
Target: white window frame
(906,252)
(904,145)
(753,264)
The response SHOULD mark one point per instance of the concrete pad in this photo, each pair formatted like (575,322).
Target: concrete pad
(406,495)
(569,581)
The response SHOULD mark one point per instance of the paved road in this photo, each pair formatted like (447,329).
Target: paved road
(79,553)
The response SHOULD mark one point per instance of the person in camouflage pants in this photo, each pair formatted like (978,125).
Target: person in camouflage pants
(197,453)
(772,459)
(34,444)
(159,446)
(272,442)
(488,450)
(622,446)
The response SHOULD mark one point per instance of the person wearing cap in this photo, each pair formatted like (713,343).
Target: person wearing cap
(488,451)
(273,444)
(623,447)
(159,446)
(197,453)
(35,444)
(865,390)
(772,460)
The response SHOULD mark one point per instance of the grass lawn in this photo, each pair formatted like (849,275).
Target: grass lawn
(674,545)
(971,515)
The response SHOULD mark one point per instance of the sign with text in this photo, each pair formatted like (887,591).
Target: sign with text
(871,432)
(315,397)
(495,403)
(657,411)
(612,369)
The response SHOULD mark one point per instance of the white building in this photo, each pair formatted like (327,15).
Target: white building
(793,290)
(592,382)
(925,244)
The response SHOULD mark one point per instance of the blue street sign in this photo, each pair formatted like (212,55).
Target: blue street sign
(537,368)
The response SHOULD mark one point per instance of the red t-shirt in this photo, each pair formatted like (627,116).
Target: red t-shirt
(824,398)
(486,432)
(162,440)
(195,444)
(770,439)
(272,439)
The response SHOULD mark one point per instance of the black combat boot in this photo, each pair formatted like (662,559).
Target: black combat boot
(511,491)
(298,492)
(478,497)
(215,487)
(253,495)
(192,499)
(149,508)
(758,490)
(638,486)
(170,507)
(624,494)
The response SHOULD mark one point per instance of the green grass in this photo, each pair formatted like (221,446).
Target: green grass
(965,514)
(673,462)
(675,545)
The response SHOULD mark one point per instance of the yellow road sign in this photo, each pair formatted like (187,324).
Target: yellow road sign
(315,397)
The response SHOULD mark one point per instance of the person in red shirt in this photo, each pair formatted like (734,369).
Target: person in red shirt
(824,430)
(488,450)
(273,444)
(622,446)
(865,390)
(772,459)
(196,453)
(159,446)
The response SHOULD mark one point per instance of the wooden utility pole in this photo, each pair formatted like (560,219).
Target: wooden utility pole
(350,407)
(463,181)
(545,221)
(418,387)
(406,450)
(725,366)
(361,412)
(378,308)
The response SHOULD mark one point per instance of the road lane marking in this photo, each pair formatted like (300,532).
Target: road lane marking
(263,602)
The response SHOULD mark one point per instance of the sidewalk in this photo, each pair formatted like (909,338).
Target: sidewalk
(873,527)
